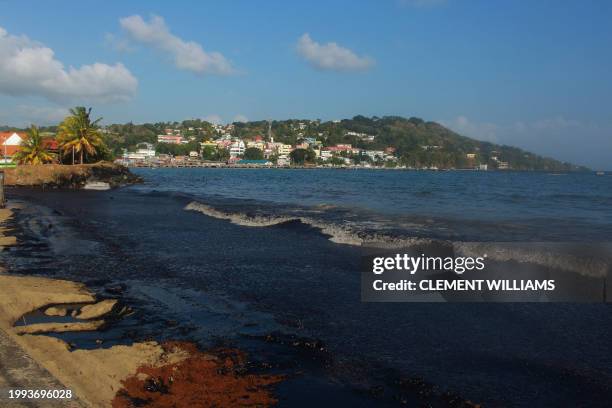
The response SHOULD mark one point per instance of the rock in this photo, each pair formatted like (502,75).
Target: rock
(56,311)
(97,309)
(96,185)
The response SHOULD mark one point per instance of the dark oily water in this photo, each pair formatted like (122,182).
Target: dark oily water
(471,206)
(290,296)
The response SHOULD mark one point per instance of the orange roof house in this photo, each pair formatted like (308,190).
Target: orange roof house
(10,142)
(50,144)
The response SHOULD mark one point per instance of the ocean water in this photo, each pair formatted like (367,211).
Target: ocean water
(468,206)
(262,259)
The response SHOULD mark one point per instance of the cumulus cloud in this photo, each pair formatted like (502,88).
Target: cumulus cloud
(240,118)
(28,68)
(24,115)
(187,55)
(331,56)
(117,43)
(214,119)
(485,131)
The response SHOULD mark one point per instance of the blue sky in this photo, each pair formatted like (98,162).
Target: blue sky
(534,74)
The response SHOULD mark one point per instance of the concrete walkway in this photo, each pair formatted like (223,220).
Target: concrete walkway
(19,371)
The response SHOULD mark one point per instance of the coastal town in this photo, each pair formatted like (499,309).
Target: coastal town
(257,151)
(389,142)
(227,150)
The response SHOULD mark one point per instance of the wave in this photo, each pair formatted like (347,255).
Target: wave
(549,255)
(339,234)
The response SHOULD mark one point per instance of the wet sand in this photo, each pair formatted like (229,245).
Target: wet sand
(95,376)
(98,376)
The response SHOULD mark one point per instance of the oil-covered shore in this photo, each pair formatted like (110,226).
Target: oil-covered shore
(287,296)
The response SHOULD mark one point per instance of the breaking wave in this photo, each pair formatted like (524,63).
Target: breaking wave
(565,257)
(557,256)
(338,234)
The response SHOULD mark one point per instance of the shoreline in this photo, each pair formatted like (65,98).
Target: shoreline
(101,377)
(101,175)
(176,289)
(274,357)
(382,168)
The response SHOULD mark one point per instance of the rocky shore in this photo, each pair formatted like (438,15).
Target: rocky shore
(99,175)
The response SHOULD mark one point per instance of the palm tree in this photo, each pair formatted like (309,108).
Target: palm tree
(32,149)
(80,134)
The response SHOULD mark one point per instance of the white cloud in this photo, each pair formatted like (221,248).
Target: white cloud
(479,130)
(240,118)
(28,68)
(214,118)
(187,55)
(555,137)
(331,56)
(117,43)
(25,115)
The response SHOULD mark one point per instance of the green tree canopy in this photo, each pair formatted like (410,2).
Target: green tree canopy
(32,150)
(253,153)
(301,156)
(78,133)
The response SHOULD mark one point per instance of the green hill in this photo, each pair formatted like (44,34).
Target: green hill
(417,143)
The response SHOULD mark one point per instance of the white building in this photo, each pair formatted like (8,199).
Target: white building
(237,148)
(143,152)
(284,149)
(283,160)
(325,154)
(171,139)
(9,143)
(257,144)
(375,154)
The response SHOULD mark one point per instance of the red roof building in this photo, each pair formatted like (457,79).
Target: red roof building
(10,142)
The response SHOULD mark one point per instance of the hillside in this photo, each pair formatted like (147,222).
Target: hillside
(417,143)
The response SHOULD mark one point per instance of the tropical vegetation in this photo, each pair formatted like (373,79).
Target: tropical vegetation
(33,150)
(79,135)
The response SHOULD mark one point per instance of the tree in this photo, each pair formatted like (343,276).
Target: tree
(301,156)
(337,161)
(253,153)
(208,153)
(32,150)
(222,155)
(79,134)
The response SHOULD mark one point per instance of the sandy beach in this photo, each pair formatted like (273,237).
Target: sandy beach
(95,377)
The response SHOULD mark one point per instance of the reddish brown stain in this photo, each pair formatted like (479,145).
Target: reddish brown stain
(213,379)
